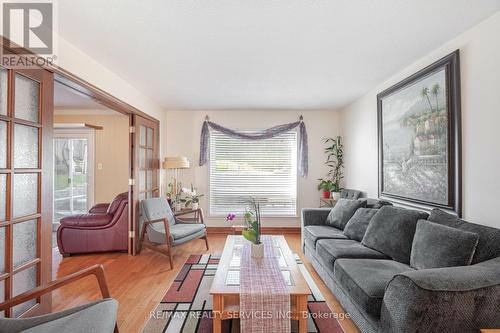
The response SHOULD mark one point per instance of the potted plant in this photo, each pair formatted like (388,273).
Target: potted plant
(335,161)
(193,198)
(325,185)
(252,228)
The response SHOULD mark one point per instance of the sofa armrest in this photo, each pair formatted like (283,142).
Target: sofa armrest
(86,220)
(314,216)
(100,208)
(454,299)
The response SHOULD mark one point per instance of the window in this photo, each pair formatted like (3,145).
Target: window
(265,169)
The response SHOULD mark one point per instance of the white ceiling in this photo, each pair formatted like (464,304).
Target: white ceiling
(257,54)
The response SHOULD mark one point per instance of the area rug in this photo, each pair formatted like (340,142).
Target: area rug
(187,305)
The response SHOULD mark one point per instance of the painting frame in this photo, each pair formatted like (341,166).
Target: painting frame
(451,66)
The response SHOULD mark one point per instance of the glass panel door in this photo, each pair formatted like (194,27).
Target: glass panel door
(145,165)
(26,113)
(73,172)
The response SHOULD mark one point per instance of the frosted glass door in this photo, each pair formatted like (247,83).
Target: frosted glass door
(146,164)
(25,122)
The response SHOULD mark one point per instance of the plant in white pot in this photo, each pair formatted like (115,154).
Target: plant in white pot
(193,198)
(335,161)
(252,228)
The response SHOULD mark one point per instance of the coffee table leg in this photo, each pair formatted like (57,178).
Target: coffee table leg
(217,312)
(302,308)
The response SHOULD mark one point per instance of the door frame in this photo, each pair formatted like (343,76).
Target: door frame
(86,88)
(81,133)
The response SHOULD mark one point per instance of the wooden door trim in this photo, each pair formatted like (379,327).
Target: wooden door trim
(75,82)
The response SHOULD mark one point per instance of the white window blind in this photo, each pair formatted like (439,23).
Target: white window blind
(265,169)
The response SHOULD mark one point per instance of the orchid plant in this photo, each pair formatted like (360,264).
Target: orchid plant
(191,196)
(252,220)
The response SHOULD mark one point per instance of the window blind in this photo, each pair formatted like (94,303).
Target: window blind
(265,169)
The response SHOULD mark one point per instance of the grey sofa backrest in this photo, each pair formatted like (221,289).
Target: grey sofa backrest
(350,194)
(489,237)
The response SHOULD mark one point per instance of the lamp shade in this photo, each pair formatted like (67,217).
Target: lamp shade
(177,162)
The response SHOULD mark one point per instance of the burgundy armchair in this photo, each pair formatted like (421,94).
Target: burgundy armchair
(104,228)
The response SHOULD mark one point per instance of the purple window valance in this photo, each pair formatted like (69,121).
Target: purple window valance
(260,135)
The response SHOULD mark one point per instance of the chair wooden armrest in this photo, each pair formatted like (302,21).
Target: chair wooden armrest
(96,270)
(198,215)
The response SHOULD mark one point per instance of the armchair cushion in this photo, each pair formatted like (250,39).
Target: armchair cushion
(99,316)
(179,231)
(436,245)
(86,220)
(156,209)
(156,231)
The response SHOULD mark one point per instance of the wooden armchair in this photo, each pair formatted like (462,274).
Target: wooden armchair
(97,316)
(165,230)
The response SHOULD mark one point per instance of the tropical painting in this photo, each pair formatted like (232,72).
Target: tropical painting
(415,122)
(414,135)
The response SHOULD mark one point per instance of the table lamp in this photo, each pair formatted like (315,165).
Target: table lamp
(175,163)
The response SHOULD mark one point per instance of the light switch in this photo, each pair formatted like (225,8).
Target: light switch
(99,166)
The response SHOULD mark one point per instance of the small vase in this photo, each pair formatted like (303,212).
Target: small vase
(336,196)
(326,195)
(257,250)
(194,206)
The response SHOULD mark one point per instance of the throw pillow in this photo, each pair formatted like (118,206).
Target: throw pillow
(391,232)
(356,227)
(343,211)
(436,245)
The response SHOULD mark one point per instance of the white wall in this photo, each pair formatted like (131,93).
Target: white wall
(84,66)
(183,138)
(480,77)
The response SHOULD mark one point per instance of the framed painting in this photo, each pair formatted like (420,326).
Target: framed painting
(419,137)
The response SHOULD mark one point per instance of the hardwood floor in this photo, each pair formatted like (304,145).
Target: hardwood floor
(138,283)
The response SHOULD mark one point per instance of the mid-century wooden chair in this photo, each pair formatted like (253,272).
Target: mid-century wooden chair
(164,229)
(97,316)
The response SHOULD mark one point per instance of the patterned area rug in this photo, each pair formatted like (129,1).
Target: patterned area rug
(187,305)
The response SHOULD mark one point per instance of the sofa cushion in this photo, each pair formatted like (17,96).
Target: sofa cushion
(436,245)
(391,231)
(312,233)
(329,250)
(488,246)
(356,227)
(365,280)
(343,211)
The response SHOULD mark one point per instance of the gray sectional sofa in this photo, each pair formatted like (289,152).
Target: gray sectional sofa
(401,270)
